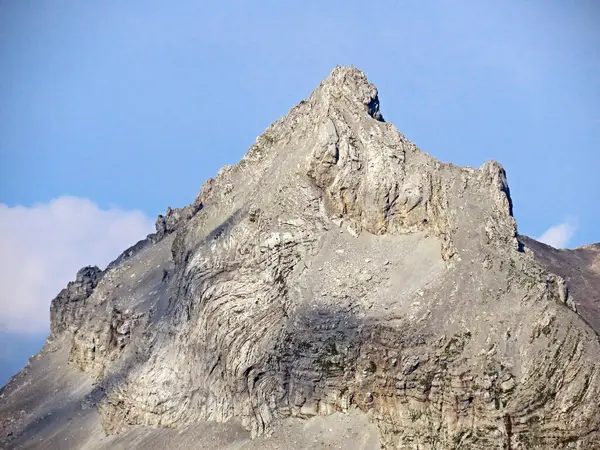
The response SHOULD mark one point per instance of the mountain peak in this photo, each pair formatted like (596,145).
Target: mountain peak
(351,84)
(336,269)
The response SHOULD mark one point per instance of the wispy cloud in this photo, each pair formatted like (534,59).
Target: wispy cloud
(558,236)
(44,245)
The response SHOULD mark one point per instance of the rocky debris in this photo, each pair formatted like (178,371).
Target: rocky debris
(338,267)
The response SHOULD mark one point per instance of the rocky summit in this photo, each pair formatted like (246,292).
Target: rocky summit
(337,288)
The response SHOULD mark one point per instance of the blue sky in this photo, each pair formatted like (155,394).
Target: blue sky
(131,106)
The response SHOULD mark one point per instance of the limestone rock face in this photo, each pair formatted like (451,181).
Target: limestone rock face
(67,302)
(338,267)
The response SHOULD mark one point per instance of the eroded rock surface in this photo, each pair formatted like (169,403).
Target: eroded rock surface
(580,269)
(337,268)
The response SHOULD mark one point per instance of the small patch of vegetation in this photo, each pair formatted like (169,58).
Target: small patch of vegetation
(304,346)
(330,360)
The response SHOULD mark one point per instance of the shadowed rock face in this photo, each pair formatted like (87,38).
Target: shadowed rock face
(580,268)
(336,269)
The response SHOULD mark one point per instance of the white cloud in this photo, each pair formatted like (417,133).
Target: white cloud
(43,246)
(558,236)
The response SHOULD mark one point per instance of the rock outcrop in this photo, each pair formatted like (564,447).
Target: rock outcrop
(338,267)
(580,270)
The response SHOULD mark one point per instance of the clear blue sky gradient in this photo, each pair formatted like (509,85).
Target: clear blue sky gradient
(137,103)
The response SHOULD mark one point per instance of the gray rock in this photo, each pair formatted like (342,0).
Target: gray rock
(68,302)
(249,308)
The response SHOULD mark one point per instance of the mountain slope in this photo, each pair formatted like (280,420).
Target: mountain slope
(580,268)
(336,269)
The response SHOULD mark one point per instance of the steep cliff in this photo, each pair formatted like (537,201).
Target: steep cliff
(335,269)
